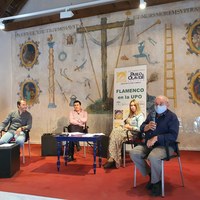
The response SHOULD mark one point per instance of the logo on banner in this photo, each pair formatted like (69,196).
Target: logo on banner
(121,77)
(134,76)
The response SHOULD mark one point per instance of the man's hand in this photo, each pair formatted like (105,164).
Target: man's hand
(150,126)
(152,141)
(18,131)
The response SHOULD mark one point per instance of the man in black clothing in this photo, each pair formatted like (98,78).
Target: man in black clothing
(161,127)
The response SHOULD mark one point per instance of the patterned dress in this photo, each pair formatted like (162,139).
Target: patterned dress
(118,136)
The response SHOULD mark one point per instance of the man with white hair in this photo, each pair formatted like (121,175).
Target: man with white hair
(161,127)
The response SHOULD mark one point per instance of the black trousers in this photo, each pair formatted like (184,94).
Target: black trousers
(73,128)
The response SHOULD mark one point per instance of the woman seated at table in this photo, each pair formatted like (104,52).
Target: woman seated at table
(118,135)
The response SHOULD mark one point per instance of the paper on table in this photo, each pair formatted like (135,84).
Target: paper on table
(76,134)
(7,145)
(65,133)
(88,135)
(92,134)
(98,133)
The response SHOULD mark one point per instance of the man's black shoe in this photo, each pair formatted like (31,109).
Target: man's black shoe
(109,165)
(149,185)
(70,158)
(156,189)
(78,147)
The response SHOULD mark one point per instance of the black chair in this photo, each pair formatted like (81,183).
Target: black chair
(167,158)
(27,139)
(85,130)
(135,139)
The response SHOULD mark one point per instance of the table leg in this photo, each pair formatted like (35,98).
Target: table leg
(58,152)
(100,149)
(94,153)
(84,148)
(66,152)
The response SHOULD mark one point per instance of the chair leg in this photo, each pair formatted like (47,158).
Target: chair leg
(84,149)
(29,148)
(64,149)
(63,144)
(181,171)
(124,154)
(162,178)
(135,174)
(23,156)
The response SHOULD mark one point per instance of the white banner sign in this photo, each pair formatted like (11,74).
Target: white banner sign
(129,83)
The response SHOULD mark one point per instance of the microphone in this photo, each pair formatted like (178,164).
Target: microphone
(153,116)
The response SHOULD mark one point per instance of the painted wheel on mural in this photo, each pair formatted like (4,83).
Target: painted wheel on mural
(195,87)
(194,37)
(62,56)
(30,91)
(29,53)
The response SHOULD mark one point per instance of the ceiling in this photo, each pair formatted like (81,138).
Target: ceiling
(13,7)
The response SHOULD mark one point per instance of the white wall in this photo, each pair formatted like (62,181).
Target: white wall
(5,74)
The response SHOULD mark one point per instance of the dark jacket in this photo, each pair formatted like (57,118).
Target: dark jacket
(167,128)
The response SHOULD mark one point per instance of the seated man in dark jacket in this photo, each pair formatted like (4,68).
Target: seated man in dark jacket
(160,127)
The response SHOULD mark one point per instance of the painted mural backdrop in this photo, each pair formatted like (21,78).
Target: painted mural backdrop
(76,59)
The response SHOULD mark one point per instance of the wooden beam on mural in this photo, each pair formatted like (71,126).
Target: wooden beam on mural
(104,43)
(120,47)
(157,22)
